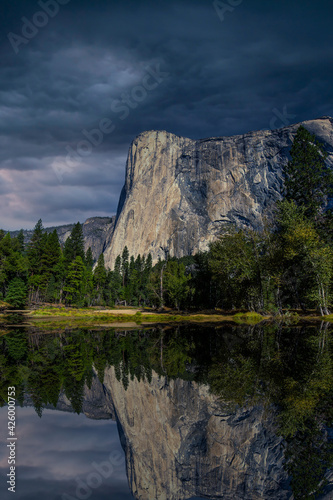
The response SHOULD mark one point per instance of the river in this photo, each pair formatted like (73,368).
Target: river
(169,412)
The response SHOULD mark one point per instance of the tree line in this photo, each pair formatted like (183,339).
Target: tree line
(45,271)
(288,263)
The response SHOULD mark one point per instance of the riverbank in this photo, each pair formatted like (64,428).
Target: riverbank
(133,317)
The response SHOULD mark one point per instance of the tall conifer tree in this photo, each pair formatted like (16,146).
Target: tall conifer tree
(308,179)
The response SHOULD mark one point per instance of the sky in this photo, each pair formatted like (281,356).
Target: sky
(60,453)
(79,80)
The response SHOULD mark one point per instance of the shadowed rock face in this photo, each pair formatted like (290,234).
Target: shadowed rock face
(97,232)
(179,193)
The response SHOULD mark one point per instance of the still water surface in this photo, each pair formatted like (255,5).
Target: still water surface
(170,413)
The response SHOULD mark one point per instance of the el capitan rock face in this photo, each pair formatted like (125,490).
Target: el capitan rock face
(179,193)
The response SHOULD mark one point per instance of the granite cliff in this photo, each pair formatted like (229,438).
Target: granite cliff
(179,193)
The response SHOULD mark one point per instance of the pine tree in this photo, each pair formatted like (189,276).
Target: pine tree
(88,286)
(74,281)
(74,245)
(147,265)
(36,247)
(53,249)
(17,293)
(133,283)
(12,263)
(100,277)
(20,239)
(116,281)
(18,242)
(50,258)
(35,251)
(308,180)
(89,258)
(125,265)
(59,272)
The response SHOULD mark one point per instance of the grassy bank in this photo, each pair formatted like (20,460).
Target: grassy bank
(135,316)
(48,317)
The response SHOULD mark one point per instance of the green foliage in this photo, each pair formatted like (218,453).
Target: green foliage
(235,265)
(309,181)
(17,293)
(17,345)
(309,452)
(74,245)
(100,277)
(89,259)
(13,264)
(36,248)
(74,281)
(287,265)
(287,370)
(306,259)
(177,284)
(125,265)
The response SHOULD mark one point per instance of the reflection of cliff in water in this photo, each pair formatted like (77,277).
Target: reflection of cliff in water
(212,413)
(179,443)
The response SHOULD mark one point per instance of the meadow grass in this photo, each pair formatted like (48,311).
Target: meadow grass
(92,316)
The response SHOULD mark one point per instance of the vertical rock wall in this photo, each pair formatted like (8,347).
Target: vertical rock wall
(179,193)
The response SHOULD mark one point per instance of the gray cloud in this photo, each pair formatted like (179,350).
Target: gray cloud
(58,448)
(224,78)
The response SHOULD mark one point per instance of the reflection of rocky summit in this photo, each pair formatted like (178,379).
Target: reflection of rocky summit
(97,404)
(180,443)
(179,192)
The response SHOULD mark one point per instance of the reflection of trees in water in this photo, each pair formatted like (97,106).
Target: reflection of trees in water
(291,368)
(288,367)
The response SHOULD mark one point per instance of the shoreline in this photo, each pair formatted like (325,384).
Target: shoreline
(138,317)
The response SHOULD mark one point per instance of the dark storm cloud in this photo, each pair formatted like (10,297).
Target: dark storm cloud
(264,61)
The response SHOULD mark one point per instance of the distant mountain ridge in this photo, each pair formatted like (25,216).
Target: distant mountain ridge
(97,232)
